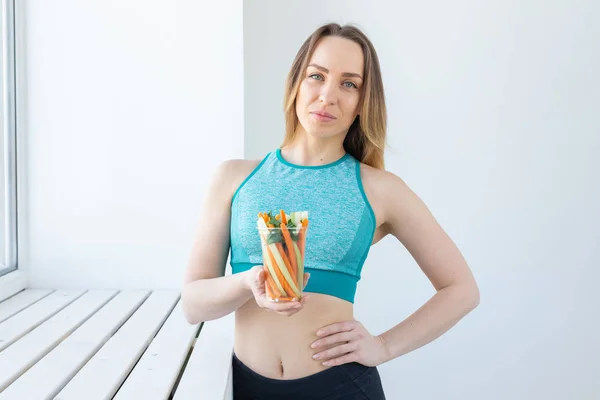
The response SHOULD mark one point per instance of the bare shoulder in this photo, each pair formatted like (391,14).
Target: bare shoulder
(230,174)
(385,191)
(238,165)
(396,206)
(211,243)
(378,177)
(405,216)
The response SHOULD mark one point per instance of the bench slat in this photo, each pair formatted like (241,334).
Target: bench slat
(20,324)
(102,376)
(155,374)
(46,378)
(207,373)
(18,302)
(24,353)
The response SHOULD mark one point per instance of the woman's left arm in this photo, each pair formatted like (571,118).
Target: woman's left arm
(456,295)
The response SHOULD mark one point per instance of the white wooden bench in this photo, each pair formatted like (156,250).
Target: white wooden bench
(110,344)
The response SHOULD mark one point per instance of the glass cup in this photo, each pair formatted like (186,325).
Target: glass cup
(283,252)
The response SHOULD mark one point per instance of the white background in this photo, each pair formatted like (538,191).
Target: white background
(126,108)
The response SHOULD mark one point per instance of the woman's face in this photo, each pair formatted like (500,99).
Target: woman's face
(332,84)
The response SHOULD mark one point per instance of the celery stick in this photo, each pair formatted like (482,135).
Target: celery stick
(284,270)
(300,264)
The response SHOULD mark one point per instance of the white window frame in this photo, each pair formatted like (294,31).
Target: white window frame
(11,280)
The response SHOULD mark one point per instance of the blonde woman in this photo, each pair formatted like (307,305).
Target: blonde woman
(330,165)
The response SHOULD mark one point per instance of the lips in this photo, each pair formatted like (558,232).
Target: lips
(323,114)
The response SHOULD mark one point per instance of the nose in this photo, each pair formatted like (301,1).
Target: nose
(328,94)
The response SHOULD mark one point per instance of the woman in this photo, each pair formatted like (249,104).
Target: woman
(331,165)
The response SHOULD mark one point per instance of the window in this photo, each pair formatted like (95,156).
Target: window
(8,173)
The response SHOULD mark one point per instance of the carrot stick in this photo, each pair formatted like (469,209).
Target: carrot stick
(275,263)
(283,218)
(286,260)
(286,286)
(270,286)
(302,237)
(269,291)
(291,253)
(268,261)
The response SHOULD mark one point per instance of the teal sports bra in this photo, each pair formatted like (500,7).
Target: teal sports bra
(342,222)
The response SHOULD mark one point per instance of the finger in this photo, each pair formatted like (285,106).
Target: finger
(259,290)
(260,276)
(257,277)
(335,351)
(257,268)
(287,306)
(341,337)
(306,277)
(345,326)
(345,359)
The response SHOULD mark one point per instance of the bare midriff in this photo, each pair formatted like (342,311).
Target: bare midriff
(278,346)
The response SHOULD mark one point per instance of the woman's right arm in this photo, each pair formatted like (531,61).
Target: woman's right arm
(206,293)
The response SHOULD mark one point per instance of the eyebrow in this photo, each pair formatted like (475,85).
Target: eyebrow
(346,74)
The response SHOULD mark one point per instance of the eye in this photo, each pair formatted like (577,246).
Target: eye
(352,85)
(319,75)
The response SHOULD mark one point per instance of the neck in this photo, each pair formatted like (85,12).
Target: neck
(309,151)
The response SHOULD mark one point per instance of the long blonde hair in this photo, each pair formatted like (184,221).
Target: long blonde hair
(366,137)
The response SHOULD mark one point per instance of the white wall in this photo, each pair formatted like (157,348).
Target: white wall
(493,121)
(127,108)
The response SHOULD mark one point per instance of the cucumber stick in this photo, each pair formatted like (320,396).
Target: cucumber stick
(284,270)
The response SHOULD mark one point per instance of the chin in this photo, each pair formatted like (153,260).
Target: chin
(319,131)
(323,133)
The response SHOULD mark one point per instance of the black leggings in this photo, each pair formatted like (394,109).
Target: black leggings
(345,382)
